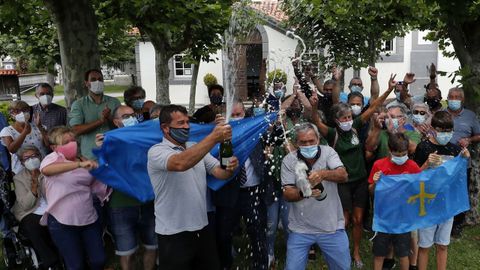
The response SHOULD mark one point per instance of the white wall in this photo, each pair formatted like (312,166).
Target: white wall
(179,93)
(448,65)
(280,51)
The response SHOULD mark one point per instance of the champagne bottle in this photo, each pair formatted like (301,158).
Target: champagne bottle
(226,153)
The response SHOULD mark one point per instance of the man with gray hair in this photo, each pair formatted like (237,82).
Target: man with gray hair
(50,114)
(316,214)
(466,130)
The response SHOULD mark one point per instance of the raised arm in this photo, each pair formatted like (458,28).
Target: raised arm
(371,143)
(404,96)
(374,87)
(374,105)
(315,119)
(337,75)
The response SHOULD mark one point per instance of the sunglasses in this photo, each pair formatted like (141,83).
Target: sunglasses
(419,112)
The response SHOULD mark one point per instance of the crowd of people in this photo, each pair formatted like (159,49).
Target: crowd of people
(314,172)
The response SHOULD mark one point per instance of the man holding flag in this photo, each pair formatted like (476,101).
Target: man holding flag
(178,176)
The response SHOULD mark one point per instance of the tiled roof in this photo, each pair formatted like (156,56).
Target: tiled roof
(271,9)
(8,72)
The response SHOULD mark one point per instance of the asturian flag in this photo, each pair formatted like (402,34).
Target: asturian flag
(122,158)
(407,202)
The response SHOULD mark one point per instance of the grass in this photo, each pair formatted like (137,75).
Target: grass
(463,253)
(58,89)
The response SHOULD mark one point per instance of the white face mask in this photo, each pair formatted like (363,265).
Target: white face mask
(45,100)
(356,109)
(97,87)
(22,117)
(345,126)
(32,164)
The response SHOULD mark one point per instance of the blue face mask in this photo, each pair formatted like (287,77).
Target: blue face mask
(258,111)
(443,137)
(399,160)
(394,122)
(130,121)
(454,105)
(397,95)
(278,94)
(309,151)
(356,88)
(180,135)
(138,104)
(418,118)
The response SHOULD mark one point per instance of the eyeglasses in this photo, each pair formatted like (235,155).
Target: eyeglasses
(419,112)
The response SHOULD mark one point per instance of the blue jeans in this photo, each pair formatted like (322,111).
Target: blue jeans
(277,211)
(334,248)
(128,222)
(78,244)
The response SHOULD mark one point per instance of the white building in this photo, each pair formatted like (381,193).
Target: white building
(269,41)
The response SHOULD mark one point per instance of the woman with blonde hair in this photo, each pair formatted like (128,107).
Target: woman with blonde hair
(70,215)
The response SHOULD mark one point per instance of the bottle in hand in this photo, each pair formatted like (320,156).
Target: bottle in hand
(226,153)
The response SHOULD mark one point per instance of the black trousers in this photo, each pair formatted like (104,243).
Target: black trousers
(41,241)
(188,250)
(251,207)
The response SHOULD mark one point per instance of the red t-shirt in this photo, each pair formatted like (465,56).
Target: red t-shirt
(388,167)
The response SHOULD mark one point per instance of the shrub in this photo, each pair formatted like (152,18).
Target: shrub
(276,76)
(209,79)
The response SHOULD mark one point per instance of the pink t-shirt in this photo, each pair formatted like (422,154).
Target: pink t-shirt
(69,194)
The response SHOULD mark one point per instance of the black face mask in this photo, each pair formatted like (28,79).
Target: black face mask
(293,112)
(432,102)
(216,100)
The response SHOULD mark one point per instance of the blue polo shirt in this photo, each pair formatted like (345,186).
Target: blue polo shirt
(465,125)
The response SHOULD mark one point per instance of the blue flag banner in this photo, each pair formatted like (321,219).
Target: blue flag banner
(407,202)
(122,158)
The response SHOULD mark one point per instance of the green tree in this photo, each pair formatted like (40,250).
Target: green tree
(71,37)
(175,26)
(352,32)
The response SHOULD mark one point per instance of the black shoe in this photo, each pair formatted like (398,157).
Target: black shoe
(388,264)
(412,267)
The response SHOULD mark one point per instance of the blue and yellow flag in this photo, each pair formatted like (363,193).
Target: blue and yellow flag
(122,158)
(407,202)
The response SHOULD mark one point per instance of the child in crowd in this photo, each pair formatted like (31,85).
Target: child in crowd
(429,154)
(397,163)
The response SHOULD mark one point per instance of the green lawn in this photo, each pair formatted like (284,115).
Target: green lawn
(464,253)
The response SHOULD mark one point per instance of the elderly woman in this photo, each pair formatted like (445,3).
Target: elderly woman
(30,205)
(421,118)
(22,132)
(71,217)
(345,140)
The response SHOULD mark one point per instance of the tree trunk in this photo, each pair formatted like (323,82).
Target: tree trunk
(162,73)
(193,87)
(78,38)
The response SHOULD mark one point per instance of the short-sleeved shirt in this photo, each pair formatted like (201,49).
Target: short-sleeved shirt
(310,215)
(383,151)
(425,148)
(33,138)
(51,116)
(389,168)
(68,194)
(350,150)
(84,111)
(465,125)
(180,197)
